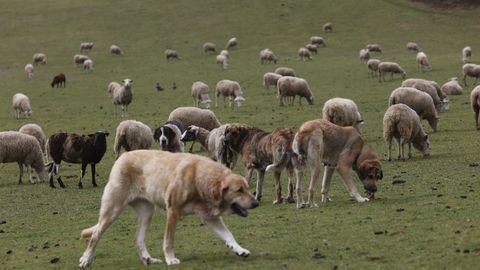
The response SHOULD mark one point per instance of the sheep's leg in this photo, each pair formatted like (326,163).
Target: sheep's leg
(53,170)
(409,150)
(82,174)
(477,110)
(299,187)
(293,100)
(315,173)
(191,147)
(29,168)
(290,198)
(465,79)
(391,76)
(94,183)
(401,143)
(389,148)
(20,166)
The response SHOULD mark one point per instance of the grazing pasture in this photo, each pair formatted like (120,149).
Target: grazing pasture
(426,212)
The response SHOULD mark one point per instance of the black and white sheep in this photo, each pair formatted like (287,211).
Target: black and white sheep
(286,71)
(288,86)
(342,112)
(122,96)
(40,58)
(132,135)
(200,94)
(37,132)
(471,70)
(59,81)
(390,67)
(231,90)
(169,136)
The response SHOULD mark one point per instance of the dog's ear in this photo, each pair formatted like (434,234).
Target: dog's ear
(218,191)
(381,174)
(156,134)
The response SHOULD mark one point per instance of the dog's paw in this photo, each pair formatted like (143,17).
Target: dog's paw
(150,260)
(361,199)
(172,261)
(85,261)
(301,205)
(241,252)
(278,201)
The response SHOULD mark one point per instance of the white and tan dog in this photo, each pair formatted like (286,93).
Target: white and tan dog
(178,182)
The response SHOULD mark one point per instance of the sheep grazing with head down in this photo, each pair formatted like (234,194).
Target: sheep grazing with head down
(466,54)
(471,70)
(270,78)
(475,103)
(364,55)
(285,71)
(171,55)
(37,132)
(412,46)
(452,87)
(21,103)
(231,90)
(232,43)
(312,48)
(132,135)
(328,27)
(374,48)
(225,53)
(23,149)
(29,70)
(304,54)
(209,47)
(114,49)
(73,148)
(59,81)
(422,62)
(390,67)
(432,88)
(86,46)
(267,57)
(200,94)
(291,87)
(40,58)
(222,60)
(88,65)
(403,124)
(342,112)
(122,96)
(372,65)
(79,59)
(319,41)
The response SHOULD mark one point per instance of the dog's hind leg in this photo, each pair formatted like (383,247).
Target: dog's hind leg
(260,178)
(168,238)
(327,178)
(218,227)
(290,198)
(299,188)
(313,183)
(278,188)
(144,210)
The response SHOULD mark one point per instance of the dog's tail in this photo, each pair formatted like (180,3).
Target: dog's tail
(87,233)
(285,156)
(298,147)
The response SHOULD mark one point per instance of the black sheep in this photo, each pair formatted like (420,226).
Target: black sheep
(59,80)
(73,148)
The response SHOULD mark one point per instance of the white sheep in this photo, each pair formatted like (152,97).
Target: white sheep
(232,43)
(372,65)
(316,40)
(114,49)
(412,46)
(312,48)
(79,59)
(403,124)
(471,70)
(40,58)
(225,53)
(21,103)
(222,60)
(304,54)
(88,65)
(270,78)
(285,71)
(37,132)
(422,62)
(188,116)
(466,54)
(29,70)
(452,87)
(364,55)
(209,47)
(171,55)
(342,112)
(86,46)
(327,27)
(432,88)
(475,103)
(230,89)
(390,67)
(292,86)
(123,96)
(200,94)
(132,135)
(419,101)
(374,48)
(23,149)
(267,56)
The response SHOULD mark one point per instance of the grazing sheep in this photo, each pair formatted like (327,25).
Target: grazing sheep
(86,46)
(40,58)
(452,87)
(342,112)
(225,53)
(200,94)
(372,65)
(232,43)
(123,96)
(37,132)
(73,148)
(364,55)
(114,49)
(312,48)
(59,80)
(29,70)
(285,71)
(374,48)
(317,41)
(392,67)
(293,86)
(304,54)
(419,101)
(267,57)
(475,103)
(432,88)
(171,55)
(412,46)
(21,103)
(466,54)
(112,87)
(471,70)
(327,27)
(230,89)
(403,124)
(222,60)
(23,149)
(169,136)
(209,47)
(422,62)
(88,65)
(270,78)
(132,135)
(79,59)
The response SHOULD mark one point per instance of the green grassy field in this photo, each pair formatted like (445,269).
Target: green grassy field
(428,222)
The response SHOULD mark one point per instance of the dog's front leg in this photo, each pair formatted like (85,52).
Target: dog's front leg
(218,227)
(172,217)
(344,172)
(327,177)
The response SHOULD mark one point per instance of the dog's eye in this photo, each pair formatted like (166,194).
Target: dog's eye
(240,190)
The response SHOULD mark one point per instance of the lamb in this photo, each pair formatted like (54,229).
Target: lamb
(293,86)
(342,112)
(419,101)
(132,135)
(29,70)
(200,94)
(88,65)
(364,55)
(304,54)
(316,40)
(312,48)
(86,46)
(23,149)
(452,87)
(222,60)
(466,54)
(267,57)
(327,27)
(21,103)
(114,49)
(232,43)
(171,55)
(285,71)
(412,46)
(123,96)
(40,58)
(78,59)
(392,67)
(37,132)
(209,47)
(230,89)
(475,103)
(422,62)
(73,148)
(374,48)
(372,65)
(403,124)
(270,78)
(471,70)
(432,88)
(59,80)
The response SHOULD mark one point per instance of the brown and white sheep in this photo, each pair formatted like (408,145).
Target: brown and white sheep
(29,70)
(316,40)
(364,55)
(123,96)
(466,54)
(342,112)
(232,43)
(372,66)
(171,55)
(114,49)
(304,54)
(288,86)
(327,27)
(412,46)
(374,48)
(209,47)
(86,46)
(78,59)
(267,57)
(312,48)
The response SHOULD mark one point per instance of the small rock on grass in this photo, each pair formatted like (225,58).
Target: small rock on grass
(55,260)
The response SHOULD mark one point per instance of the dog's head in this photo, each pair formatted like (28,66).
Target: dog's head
(369,172)
(164,135)
(235,134)
(234,195)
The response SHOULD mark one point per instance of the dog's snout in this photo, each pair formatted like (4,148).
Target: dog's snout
(255,203)
(371,188)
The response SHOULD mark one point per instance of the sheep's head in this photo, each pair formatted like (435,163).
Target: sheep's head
(239,100)
(127,82)
(206,103)
(28,113)
(423,144)
(404,75)
(310,100)
(445,104)
(190,134)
